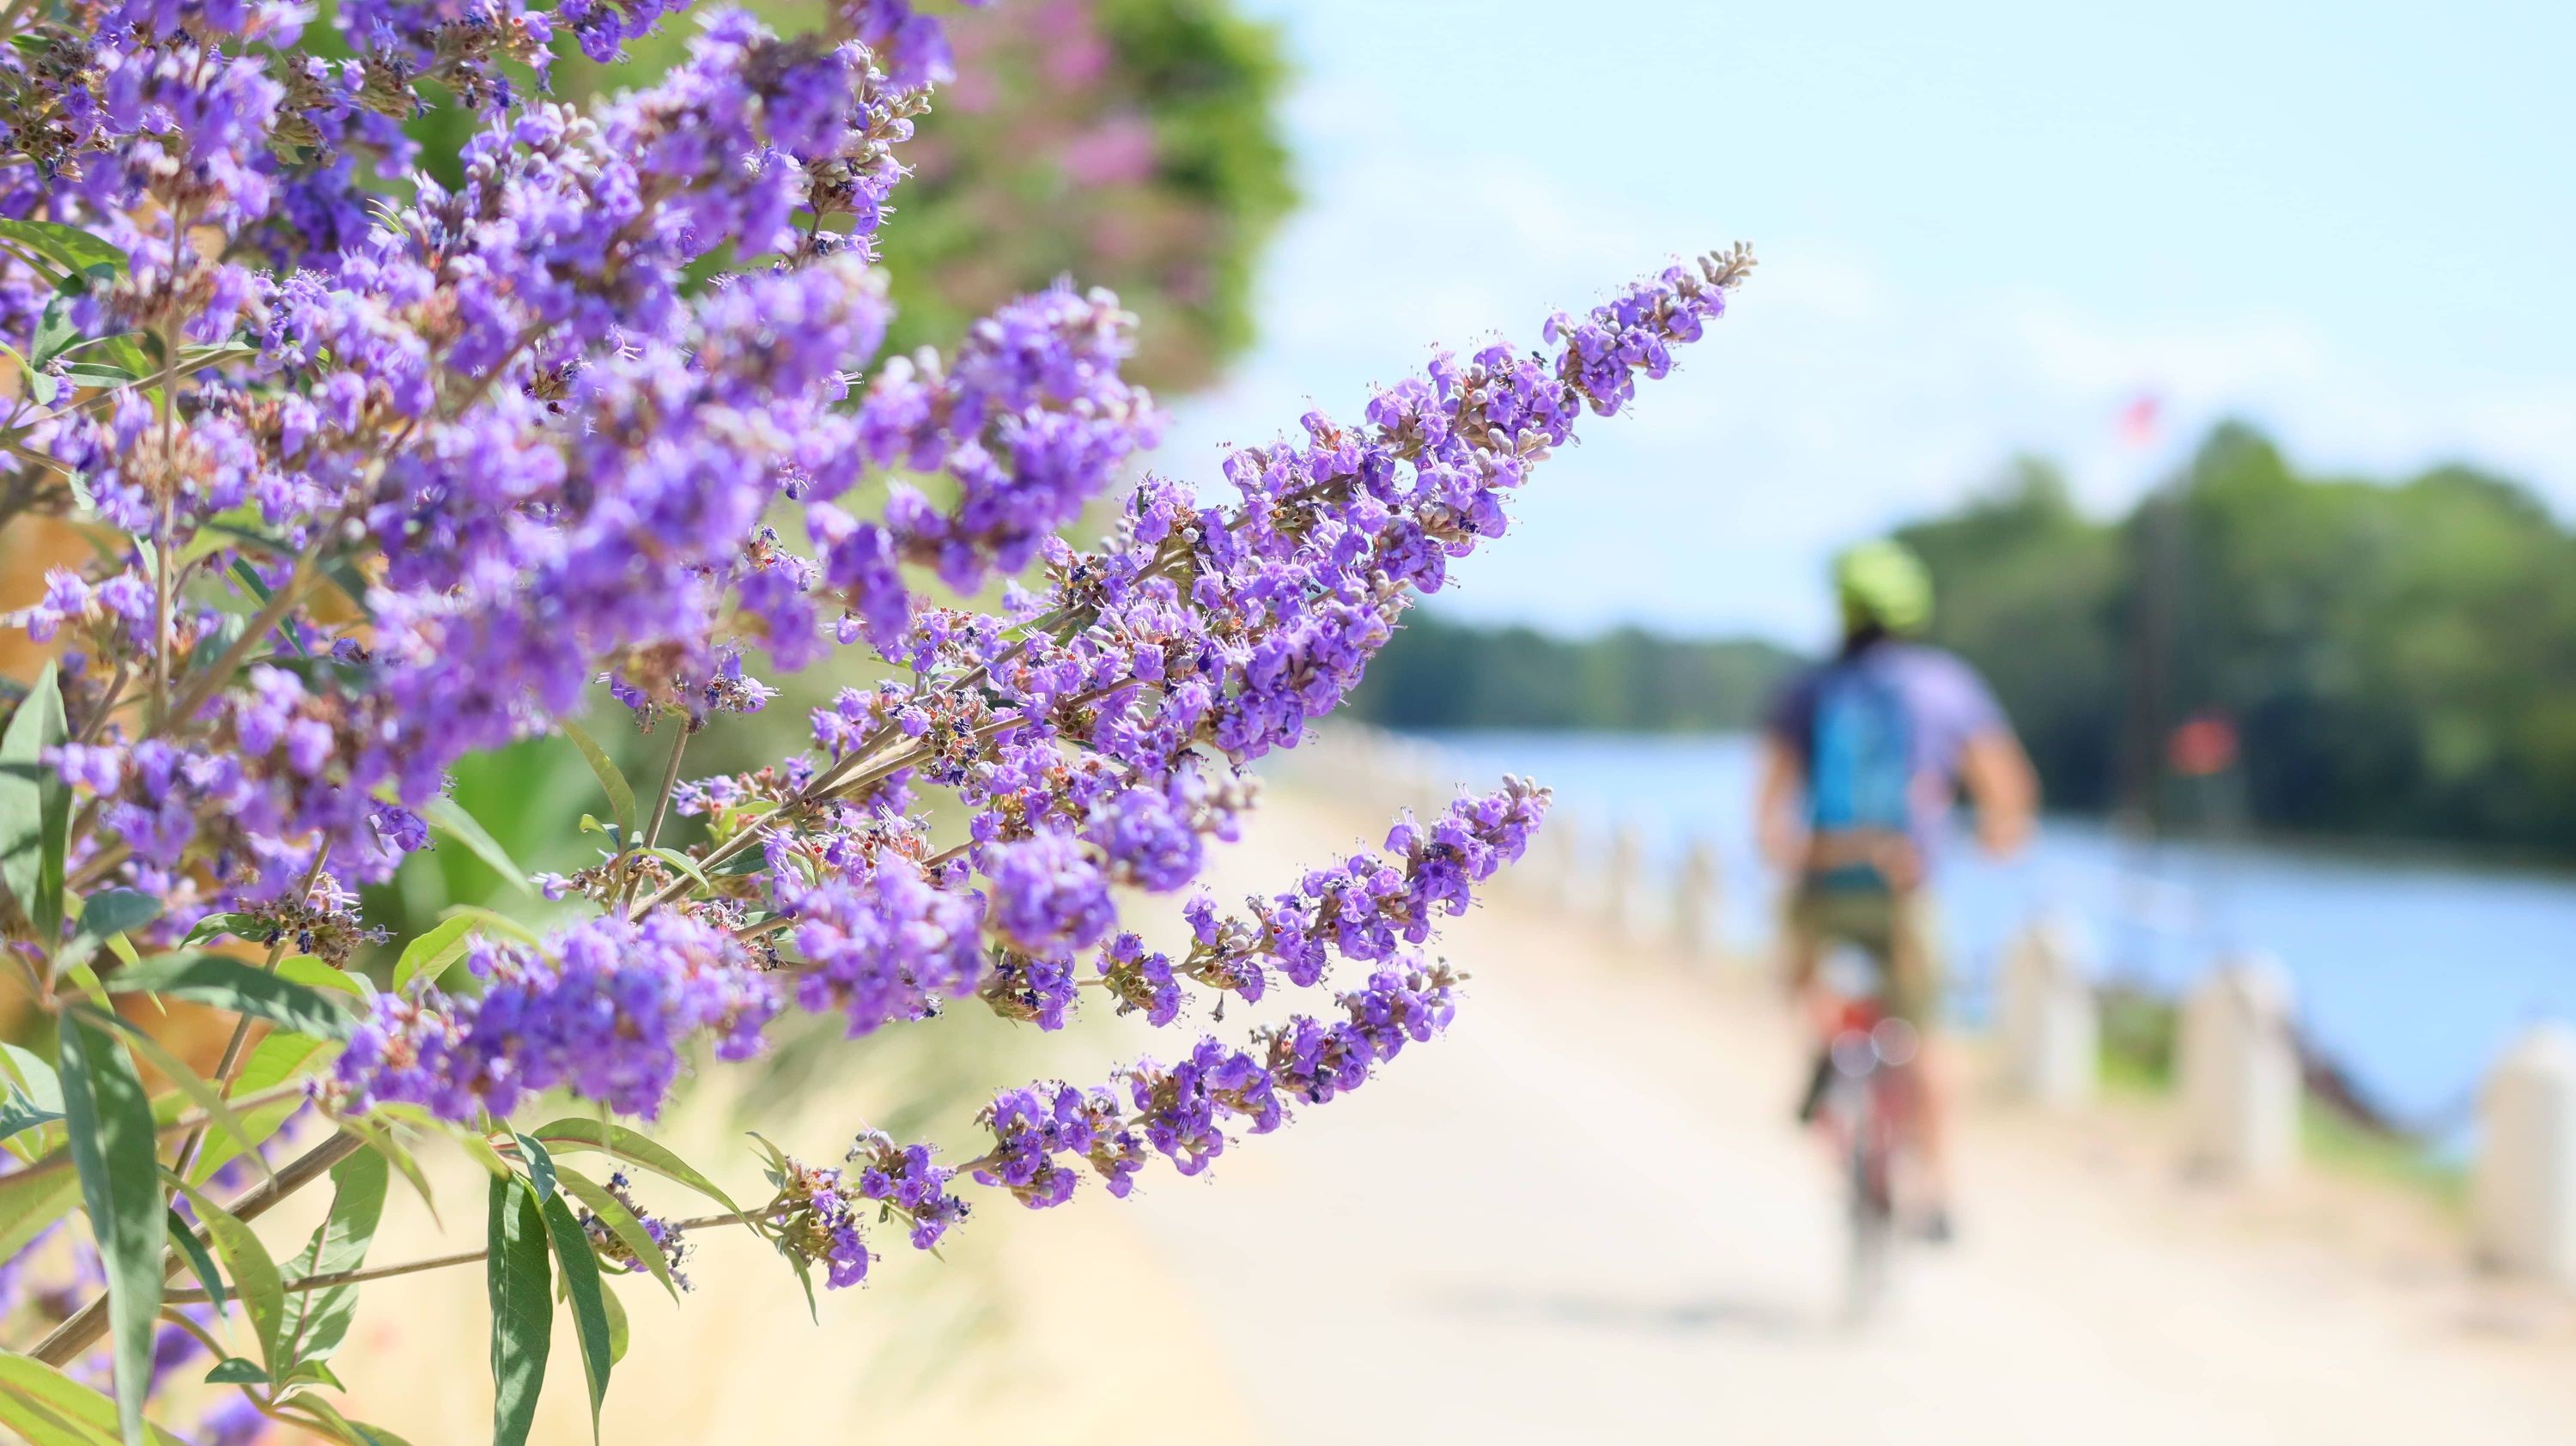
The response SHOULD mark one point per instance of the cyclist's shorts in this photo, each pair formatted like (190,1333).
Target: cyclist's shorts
(1897,931)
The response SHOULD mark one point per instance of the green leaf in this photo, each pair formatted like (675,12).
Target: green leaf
(29,1070)
(253,1271)
(621,799)
(19,1114)
(235,1371)
(40,385)
(445,815)
(618,1332)
(573,1133)
(398,1155)
(315,973)
(114,911)
(501,924)
(35,1095)
(250,927)
(200,1092)
(355,1433)
(684,864)
(109,1119)
(55,332)
(25,1380)
(317,1320)
(432,952)
(41,1425)
(278,1057)
(582,1289)
(35,807)
(183,1238)
(621,1222)
(71,249)
(520,1285)
(541,1167)
(228,983)
(30,1202)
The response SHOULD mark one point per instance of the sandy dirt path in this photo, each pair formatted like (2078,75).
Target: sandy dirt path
(1585,1216)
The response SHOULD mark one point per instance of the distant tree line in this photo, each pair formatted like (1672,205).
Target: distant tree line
(2394,659)
(1445,675)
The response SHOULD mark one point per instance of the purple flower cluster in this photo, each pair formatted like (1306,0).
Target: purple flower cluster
(820,1209)
(388,470)
(665,1236)
(603,1010)
(1183,1110)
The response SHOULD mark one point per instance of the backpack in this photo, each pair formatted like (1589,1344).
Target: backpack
(1860,763)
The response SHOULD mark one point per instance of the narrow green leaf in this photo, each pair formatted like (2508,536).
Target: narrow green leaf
(110,1123)
(281,1055)
(317,973)
(69,248)
(314,1373)
(41,1425)
(480,1151)
(498,923)
(19,1114)
(253,1271)
(621,799)
(248,927)
(236,1371)
(583,1291)
(520,1284)
(317,1320)
(39,385)
(684,864)
(106,914)
(228,983)
(355,1433)
(30,1381)
(398,1155)
(432,952)
(621,1222)
(34,1099)
(29,1071)
(573,1134)
(804,1277)
(183,1238)
(199,1091)
(619,1332)
(445,815)
(35,807)
(541,1167)
(29,1203)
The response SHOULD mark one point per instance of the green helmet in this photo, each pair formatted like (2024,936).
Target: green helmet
(1883,583)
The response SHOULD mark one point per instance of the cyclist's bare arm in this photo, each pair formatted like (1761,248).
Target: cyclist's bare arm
(2004,788)
(1779,806)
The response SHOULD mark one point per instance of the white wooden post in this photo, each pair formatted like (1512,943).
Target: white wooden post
(2239,1070)
(1697,901)
(1619,881)
(2523,1191)
(1565,882)
(2051,1022)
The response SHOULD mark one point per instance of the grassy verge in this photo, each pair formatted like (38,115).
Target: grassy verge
(2138,1031)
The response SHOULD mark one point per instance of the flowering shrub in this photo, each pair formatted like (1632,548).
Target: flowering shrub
(385,472)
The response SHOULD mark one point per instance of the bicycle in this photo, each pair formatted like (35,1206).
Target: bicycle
(1857,1094)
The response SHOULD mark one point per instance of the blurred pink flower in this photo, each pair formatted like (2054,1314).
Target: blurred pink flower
(1117,152)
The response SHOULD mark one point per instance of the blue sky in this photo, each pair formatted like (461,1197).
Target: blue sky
(1985,228)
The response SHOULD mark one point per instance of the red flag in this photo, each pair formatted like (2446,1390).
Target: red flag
(2138,419)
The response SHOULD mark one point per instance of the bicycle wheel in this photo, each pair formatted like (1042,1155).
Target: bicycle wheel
(1872,1210)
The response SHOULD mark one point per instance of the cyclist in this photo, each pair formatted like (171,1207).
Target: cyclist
(1862,758)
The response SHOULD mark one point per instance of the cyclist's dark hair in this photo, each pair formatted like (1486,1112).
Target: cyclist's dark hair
(1861,639)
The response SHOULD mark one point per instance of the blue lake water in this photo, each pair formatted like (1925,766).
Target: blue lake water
(2413,975)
